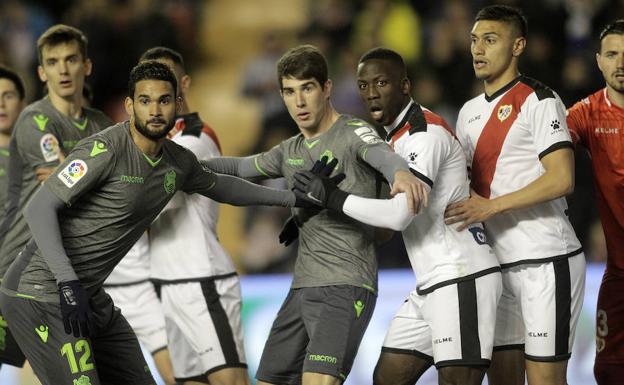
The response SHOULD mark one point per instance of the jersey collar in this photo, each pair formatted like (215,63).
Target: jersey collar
(502,90)
(401,119)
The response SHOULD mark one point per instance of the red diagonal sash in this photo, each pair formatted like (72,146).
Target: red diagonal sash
(493,136)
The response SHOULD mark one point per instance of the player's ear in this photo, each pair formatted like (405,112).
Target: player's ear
(327,88)
(185,84)
(42,74)
(406,85)
(518,46)
(598,61)
(128,104)
(88,66)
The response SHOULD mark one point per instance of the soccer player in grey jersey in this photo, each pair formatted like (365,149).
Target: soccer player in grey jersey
(47,129)
(317,331)
(12,95)
(85,218)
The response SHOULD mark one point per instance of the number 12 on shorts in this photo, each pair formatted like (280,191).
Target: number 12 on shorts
(69,351)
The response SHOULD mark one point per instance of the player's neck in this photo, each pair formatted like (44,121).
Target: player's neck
(70,106)
(615,97)
(491,86)
(325,124)
(5,139)
(149,147)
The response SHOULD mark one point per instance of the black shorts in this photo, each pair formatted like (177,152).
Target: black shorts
(10,353)
(318,330)
(111,356)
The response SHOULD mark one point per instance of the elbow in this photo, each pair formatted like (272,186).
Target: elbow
(566,184)
(402,221)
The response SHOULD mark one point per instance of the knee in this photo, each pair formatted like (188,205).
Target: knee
(460,375)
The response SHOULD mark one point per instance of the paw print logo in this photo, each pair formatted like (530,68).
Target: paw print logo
(555,124)
(412,156)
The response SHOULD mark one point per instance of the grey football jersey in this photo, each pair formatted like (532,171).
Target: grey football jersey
(333,248)
(4,168)
(113,192)
(39,133)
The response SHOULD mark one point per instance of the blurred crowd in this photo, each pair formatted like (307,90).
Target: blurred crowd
(433,37)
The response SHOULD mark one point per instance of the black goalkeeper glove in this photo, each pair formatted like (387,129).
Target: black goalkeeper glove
(315,186)
(290,231)
(75,309)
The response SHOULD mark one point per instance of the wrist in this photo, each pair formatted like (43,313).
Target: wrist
(336,200)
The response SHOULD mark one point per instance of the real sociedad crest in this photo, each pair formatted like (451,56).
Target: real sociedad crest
(504,111)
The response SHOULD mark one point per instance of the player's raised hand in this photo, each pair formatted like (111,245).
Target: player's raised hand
(75,309)
(416,191)
(469,211)
(317,187)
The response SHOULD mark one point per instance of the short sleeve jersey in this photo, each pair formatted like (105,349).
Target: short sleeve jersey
(333,249)
(4,168)
(439,253)
(113,192)
(40,132)
(183,239)
(505,136)
(598,125)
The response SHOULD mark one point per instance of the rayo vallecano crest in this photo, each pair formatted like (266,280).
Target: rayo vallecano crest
(504,111)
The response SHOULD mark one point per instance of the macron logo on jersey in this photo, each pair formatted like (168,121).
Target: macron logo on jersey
(71,174)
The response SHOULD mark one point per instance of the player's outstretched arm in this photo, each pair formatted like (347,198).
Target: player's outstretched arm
(241,167)
(316,186)
(396,171)
(239,192)
(557,181)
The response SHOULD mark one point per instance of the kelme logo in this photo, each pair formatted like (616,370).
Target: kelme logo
(169,184)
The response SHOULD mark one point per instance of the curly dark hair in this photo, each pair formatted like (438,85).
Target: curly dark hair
(151,70)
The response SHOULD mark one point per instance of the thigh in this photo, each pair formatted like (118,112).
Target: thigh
(10,352)
(409,333)
(610,320)
(509,330)
(552,297)
(461,317)
(285,349)
(142,309)
(203,326)
(400,368)
(118,354)
(56,357)
(336,318)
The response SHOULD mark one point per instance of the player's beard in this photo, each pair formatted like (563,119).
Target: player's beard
(142,128)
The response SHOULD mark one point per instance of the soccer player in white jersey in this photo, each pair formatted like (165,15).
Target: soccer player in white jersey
(131,290)
(199,287)
(519,152)
(448,320)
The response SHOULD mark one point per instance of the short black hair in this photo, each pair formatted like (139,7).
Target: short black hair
(303,62)
(62,34)
(386,54)
(158,53)
(615,28)
(151,70)
(7,73)
(507,14)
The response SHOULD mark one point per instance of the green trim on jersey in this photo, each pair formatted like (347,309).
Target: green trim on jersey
(25,296)
(312,144)
(81,126)
(153,163)
(370,288)
(260,170)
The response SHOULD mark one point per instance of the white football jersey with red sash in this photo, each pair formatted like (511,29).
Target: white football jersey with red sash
(438,253)
(504,137)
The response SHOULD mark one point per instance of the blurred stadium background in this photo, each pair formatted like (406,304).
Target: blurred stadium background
(231,47)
